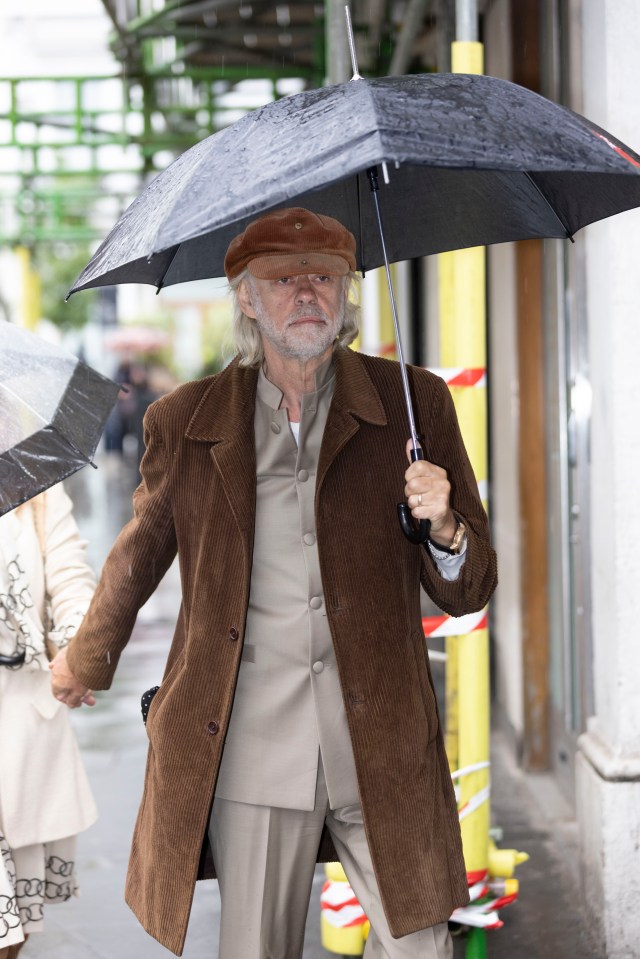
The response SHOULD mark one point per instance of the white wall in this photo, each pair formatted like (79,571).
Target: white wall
(608,769)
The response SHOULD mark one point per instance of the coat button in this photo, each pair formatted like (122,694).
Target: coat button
(303,476)
(318,667)
(275,427)
(308,539)
(315,602)
(213,727)
(233,633)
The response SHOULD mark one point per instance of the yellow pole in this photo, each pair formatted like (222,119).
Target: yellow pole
(451,680)
(387,347)
(30,284)
(461,284)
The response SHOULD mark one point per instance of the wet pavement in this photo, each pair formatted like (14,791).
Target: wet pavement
(546,924)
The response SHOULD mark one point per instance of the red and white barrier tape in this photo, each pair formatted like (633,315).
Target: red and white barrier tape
(339,905)
(435,626)
(461,376)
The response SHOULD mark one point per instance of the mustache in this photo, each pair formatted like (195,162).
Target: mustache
(306,311)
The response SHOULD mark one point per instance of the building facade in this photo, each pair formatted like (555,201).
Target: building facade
(565,448)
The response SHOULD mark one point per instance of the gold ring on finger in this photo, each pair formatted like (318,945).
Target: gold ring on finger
(419,499)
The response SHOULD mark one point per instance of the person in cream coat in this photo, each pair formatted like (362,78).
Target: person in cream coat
(46,586)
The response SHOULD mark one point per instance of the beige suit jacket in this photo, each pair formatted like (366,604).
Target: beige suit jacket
(288,707)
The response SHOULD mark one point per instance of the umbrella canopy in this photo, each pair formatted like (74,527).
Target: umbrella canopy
(52,412)
(470,160)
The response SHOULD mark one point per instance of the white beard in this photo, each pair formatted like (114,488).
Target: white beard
(301,342)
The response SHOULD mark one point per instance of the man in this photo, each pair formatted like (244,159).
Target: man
(296,719)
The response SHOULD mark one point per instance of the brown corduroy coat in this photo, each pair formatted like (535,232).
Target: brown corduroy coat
(198,498)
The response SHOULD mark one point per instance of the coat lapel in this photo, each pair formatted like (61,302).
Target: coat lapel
(355,398)
(224,419)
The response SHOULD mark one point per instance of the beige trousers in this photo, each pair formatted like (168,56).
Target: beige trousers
(265,858)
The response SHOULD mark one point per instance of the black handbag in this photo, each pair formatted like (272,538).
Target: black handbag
(145,702)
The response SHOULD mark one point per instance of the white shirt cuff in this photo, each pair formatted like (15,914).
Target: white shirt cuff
(449,564)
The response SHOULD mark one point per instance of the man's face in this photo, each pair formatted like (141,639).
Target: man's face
(300,316)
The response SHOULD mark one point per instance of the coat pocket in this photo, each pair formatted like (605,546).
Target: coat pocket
(153,698)
(426,684)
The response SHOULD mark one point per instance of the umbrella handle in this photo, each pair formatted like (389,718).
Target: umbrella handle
(415,534)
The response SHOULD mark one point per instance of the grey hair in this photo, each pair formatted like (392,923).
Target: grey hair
(247,338)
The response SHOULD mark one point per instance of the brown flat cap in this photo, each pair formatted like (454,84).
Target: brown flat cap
(291,242)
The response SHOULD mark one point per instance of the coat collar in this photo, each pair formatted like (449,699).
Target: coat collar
(226,408)
(355,392)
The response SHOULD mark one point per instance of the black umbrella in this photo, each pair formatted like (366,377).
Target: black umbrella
(461,160)
(470,160)
(53,408)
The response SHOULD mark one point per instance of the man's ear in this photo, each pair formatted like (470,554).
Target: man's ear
(244,299)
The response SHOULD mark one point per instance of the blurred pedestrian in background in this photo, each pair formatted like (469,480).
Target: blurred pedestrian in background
(117,426)
(143,397)
(45,798)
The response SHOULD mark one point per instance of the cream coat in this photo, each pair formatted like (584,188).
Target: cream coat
(44,792)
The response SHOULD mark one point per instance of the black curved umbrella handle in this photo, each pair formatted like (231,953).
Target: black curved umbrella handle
(415,534)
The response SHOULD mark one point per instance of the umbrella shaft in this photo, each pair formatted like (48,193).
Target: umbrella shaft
(394,313)
(352,44)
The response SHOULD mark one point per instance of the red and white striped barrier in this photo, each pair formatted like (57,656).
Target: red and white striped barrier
(339,905)
(461,376)
(435,626)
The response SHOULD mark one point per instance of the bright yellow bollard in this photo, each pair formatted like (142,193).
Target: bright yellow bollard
(344,928)
(502,862)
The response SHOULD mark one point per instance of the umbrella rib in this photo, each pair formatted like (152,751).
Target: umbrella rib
(161,283)
(75,448)
(3,386)
(567,232)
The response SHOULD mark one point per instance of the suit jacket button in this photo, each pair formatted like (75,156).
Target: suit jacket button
(233,633)
(213,727)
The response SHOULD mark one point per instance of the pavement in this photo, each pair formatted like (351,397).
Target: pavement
(547,922)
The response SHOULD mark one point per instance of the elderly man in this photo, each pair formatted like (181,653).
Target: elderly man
(296,720)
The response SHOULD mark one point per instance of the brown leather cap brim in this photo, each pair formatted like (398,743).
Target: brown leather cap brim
(275,265)
(290,242)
